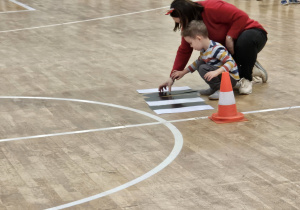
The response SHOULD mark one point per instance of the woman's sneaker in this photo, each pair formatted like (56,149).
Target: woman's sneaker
(246,87)
(259,71)
(284,2)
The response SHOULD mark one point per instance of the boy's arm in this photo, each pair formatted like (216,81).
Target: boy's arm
(195,65)
(229,64)
(191,68)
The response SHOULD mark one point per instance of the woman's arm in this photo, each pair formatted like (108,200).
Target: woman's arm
(183,55)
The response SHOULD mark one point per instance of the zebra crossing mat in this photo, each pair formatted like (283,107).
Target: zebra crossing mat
(181,99)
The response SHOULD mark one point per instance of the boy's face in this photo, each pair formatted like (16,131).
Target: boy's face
(195,43)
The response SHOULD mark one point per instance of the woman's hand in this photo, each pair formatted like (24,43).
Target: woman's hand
(229,44)
(166,84)
(177,75)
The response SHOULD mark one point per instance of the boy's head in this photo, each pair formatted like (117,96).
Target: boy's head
(196,34)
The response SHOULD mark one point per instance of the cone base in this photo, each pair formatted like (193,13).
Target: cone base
(239,117)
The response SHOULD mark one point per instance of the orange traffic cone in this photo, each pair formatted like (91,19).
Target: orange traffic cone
(227,111)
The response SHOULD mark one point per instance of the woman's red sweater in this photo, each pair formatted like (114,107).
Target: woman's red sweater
(221,19)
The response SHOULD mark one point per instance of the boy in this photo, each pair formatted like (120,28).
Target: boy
(213,60)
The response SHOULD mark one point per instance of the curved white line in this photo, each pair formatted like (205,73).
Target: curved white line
(174,153)
(176,149)
(118,127)
(22,5)
(82,21)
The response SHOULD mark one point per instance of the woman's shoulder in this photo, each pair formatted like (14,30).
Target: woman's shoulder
(211,4)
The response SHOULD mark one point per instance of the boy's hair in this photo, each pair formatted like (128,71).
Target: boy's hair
(186,11)
(195,28)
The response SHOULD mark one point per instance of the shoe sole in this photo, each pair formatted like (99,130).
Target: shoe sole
(258,65)
(213,98)
(205,94)
(245,93)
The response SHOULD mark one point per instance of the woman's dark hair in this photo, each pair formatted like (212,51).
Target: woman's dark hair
(186,11)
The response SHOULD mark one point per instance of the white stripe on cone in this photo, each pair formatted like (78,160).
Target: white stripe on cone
(226,98)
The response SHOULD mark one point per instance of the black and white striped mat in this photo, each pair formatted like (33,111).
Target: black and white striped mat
(181,99)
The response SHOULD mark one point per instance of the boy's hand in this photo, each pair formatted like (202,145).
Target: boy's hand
(177,75)
(166,84)
(209,75)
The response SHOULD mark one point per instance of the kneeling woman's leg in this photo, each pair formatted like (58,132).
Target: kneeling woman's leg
(246,48)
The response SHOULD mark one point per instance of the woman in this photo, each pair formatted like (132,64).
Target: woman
(228,25)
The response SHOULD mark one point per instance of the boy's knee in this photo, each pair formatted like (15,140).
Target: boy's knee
(203,68)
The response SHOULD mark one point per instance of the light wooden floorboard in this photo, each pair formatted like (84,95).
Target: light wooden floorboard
(45,53)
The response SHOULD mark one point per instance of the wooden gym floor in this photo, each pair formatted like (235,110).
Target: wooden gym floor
(73,125)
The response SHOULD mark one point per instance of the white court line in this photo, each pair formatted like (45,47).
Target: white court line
(178,143)
(272,110)
(77,132)
(174,153)
(117,127)
(82,21)
(14,11)
(136,125)
(28,9)
(22,5)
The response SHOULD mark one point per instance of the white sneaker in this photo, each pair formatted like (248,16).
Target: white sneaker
(257,75)
(215,95)
(246,86)
(259,71)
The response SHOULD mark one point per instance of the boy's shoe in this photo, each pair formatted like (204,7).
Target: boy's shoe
(206,92)
(215,95)
(246,87)
(259,71)
(284,2)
